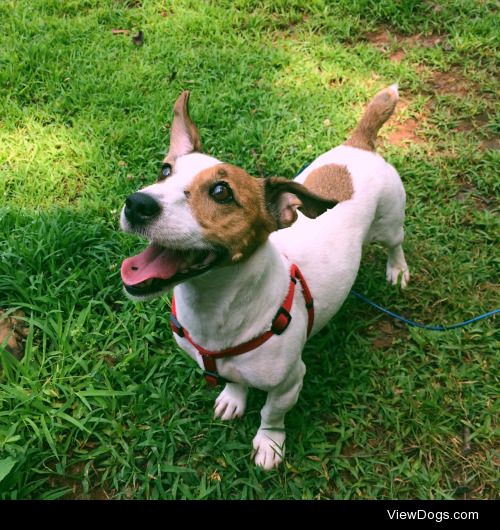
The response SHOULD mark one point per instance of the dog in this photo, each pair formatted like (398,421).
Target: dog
(234,247)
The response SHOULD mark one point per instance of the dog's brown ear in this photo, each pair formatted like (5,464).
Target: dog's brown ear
(184,136)
(283,197)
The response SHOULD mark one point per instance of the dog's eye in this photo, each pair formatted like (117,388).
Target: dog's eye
(221,193)
(166,171)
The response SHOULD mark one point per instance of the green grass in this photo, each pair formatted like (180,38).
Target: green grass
(103,404)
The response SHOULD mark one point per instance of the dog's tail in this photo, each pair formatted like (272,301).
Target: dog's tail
(376,114)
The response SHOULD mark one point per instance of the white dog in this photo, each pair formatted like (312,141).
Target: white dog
(235,248)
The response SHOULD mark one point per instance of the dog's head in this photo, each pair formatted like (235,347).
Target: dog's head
(203,214)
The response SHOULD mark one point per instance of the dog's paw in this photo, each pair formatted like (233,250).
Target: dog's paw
(268,448)
(231,402)
(393,273)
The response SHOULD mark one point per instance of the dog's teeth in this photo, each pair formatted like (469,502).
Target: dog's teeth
(208,259)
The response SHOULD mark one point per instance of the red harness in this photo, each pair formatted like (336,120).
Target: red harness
(280,322)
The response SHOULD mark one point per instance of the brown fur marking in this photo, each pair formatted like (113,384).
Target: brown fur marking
(376,114)
(331,181)
(240,226)
(260,207)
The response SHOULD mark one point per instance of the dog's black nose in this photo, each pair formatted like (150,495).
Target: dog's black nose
(140,208)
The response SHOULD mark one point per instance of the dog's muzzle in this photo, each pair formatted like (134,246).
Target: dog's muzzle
(141,208)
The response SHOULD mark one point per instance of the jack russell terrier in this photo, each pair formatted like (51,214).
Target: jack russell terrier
(235,247)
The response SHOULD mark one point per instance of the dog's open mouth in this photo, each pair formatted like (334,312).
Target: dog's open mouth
(157,268)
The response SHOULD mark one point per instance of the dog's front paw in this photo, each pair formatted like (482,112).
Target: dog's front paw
(395,271)
(268,448)
(231,402)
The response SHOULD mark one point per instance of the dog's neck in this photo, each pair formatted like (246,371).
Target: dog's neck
(231,305)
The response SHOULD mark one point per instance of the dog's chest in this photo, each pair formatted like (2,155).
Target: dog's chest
(265,366)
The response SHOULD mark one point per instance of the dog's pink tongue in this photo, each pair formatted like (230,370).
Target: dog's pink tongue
(154,262)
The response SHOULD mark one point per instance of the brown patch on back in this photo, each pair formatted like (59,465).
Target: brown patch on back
(331,181)
(376,114)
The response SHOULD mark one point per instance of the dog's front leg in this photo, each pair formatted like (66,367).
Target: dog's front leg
(269,442)
(231,402)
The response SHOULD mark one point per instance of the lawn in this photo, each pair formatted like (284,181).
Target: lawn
(102,403)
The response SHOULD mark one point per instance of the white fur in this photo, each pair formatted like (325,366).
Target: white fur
(176,225)
(232,305)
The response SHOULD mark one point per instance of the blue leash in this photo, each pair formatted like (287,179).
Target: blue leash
(423,326)
(411,322)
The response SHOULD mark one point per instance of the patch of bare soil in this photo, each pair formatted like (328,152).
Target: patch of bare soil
(479,123)
(451,82)
(474,122)
(73,480)
(13,332)
(469,194)
(491,143)
(397,56)
(455,84)
(404,131)
(384,40)
(388,332)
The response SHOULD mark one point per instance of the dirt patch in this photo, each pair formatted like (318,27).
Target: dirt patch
(284,25)
(479,122)
(397,56)
(384,40)
(403,131)
(491,143)
(482,119)
(469,194)
(379,38)
(388,332)
(13,332)
(451,82)
(73,480)
(454,83)
(350,450)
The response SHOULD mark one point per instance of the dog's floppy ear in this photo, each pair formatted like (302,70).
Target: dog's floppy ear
(283,197)
(184,137)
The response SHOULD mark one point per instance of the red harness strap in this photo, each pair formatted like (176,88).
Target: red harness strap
(279,324)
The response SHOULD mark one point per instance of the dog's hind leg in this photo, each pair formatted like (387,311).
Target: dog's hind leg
(396,262)
(231,402)
(396,267)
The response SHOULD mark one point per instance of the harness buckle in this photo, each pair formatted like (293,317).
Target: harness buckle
(213,378)
(281,321)
(175,326)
